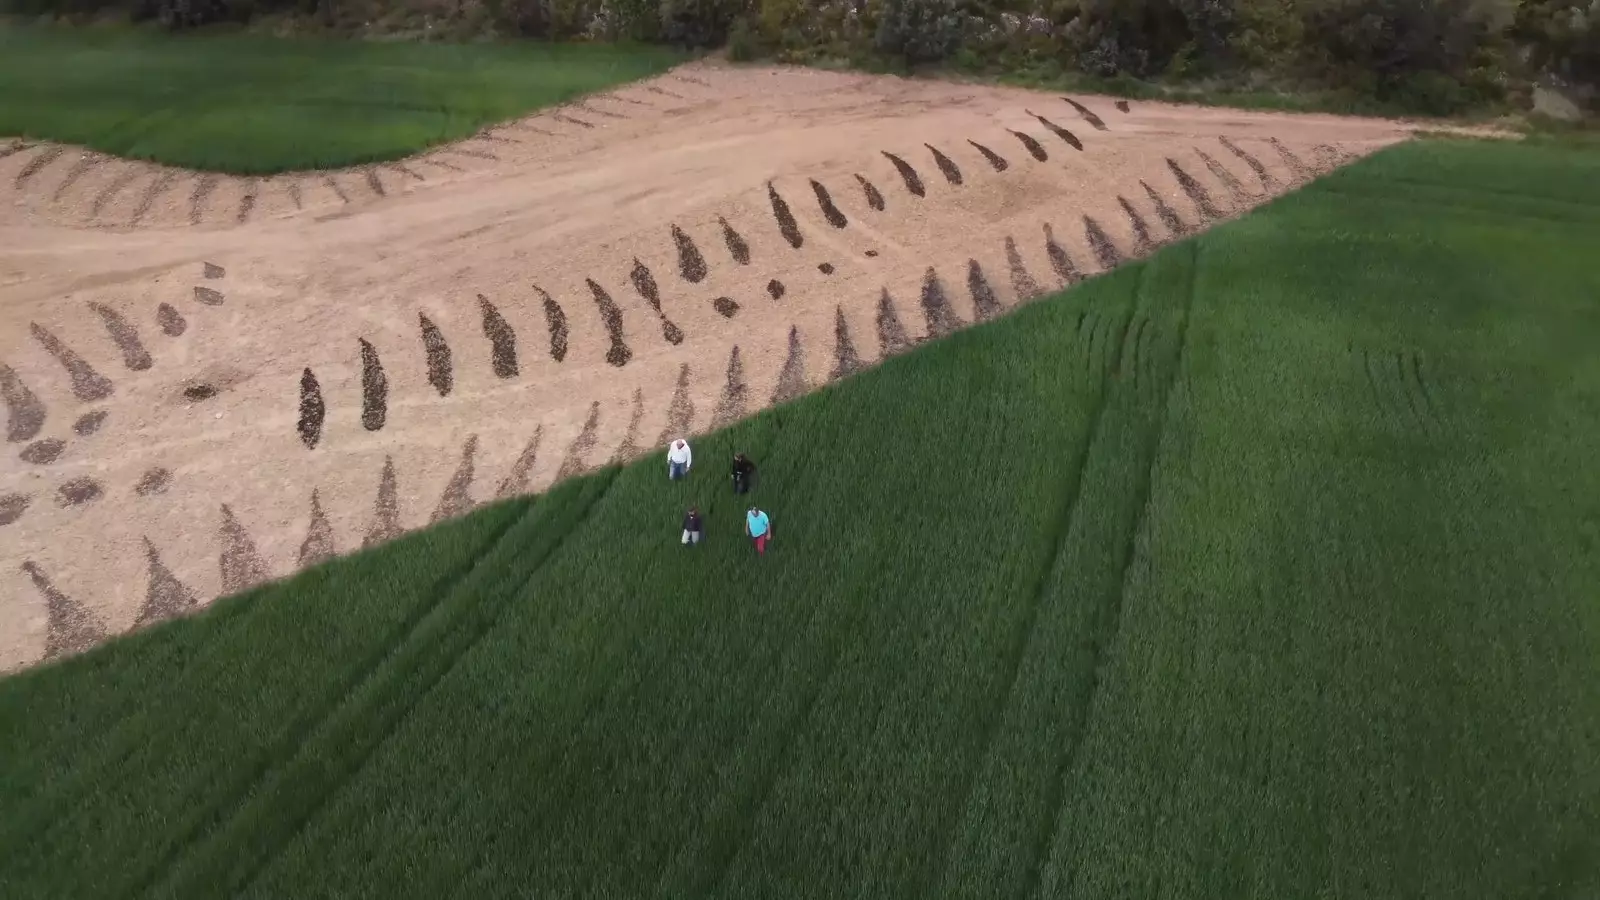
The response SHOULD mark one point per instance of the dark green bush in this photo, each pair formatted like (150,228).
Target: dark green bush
(697,23)
(919,31)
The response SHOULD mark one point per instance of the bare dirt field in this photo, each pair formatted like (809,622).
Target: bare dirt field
(214,381)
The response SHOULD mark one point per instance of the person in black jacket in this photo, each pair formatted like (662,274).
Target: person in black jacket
(691,527)
(744,472)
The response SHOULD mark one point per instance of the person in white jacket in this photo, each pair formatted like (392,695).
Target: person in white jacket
(680,459)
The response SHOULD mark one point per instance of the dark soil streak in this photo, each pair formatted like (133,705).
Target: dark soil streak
(312,410)
(645,284)
(1168,216)
(448,166)
(78,170)
(597,111)
(318,547)
(1021,281)
(456,500)
(12,506)
(985,304)
(892,337)
(1088,116)
(240,562)
(247,201)
(825,202)
(72,629)
(134,355)
(874,197)
(735,393)
(574,462)
(937,312)
(293,186)
(680,411)
(385,508)
(441,371)
(1057,130)
(996,160)
(1208,210)
(1143,242)
(947,166)
(475,154)
(726,307)
(374,183)
(405,170)
(110,191)
(153,481)
(158,186)
(374,388)
(738,248)
(1296,165)
(43,453)
(208,296)
(846,361)
(611,316)
(775,289)
(691,264)
(87,384)
(1122,106)
(1105,250)
(165,597)
(1060,262)
(79,491)
(786,223)
(555,319)
(37,165)
(792,381)
(89,422)
(907,174)
(212,271)
(1035,149)
(203,187)
(629,450)
(25,414)
(1268,181)
(516,482)
(170,320)
(337,190)
(560,117)
(502,340)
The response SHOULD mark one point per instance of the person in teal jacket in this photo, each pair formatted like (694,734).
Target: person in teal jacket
(759,527)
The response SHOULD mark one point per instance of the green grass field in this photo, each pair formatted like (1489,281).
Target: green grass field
(1268,567)
(255,105)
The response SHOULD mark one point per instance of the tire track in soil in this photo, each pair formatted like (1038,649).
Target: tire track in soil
(12,148)
(456,498)
(574,462)
(593,110)
(441,371)
(434,160)
(1168,216)
(1065,135)
(374,183)
(1203,204)
(165,597)
(1035,149)
(475,154)
(87,384)
(947,166)
(1061,263)
(997,161)
(85,163)
(645,284)
(72,629)
(405,170)
(374,388)
(1268,180)
(1143,242)
(939,315)
(1094,121)
(1221,173)
(785,218)
(738,247)
(629,449)
(1298,166)
(239,561)
(892,336)
(792,380)
(691,264)
(912,180)
(555,319)
(333,185)
(158,186)
(985,304)
(825,203)
(203,187)
(25,413)
(1022,282)
(516,481)
(36,165)
(125,336)
(312,410)
(319,546)
(619,354)
(680,410)
(292,185)
(502,340)
(735,394)
(870,190)
(110,191)
(562,117)
(846,361)
(1105,250)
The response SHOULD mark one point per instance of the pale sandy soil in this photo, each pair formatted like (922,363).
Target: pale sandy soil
(124,499)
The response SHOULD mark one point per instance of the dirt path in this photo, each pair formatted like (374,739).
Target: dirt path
(212,381)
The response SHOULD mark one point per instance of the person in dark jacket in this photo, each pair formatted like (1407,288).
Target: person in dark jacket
(691,527)
(744,472)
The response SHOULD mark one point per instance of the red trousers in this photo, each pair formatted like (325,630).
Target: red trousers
(761,544)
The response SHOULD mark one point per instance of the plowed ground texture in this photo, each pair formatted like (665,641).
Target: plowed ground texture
(1263,567)
(253,105)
